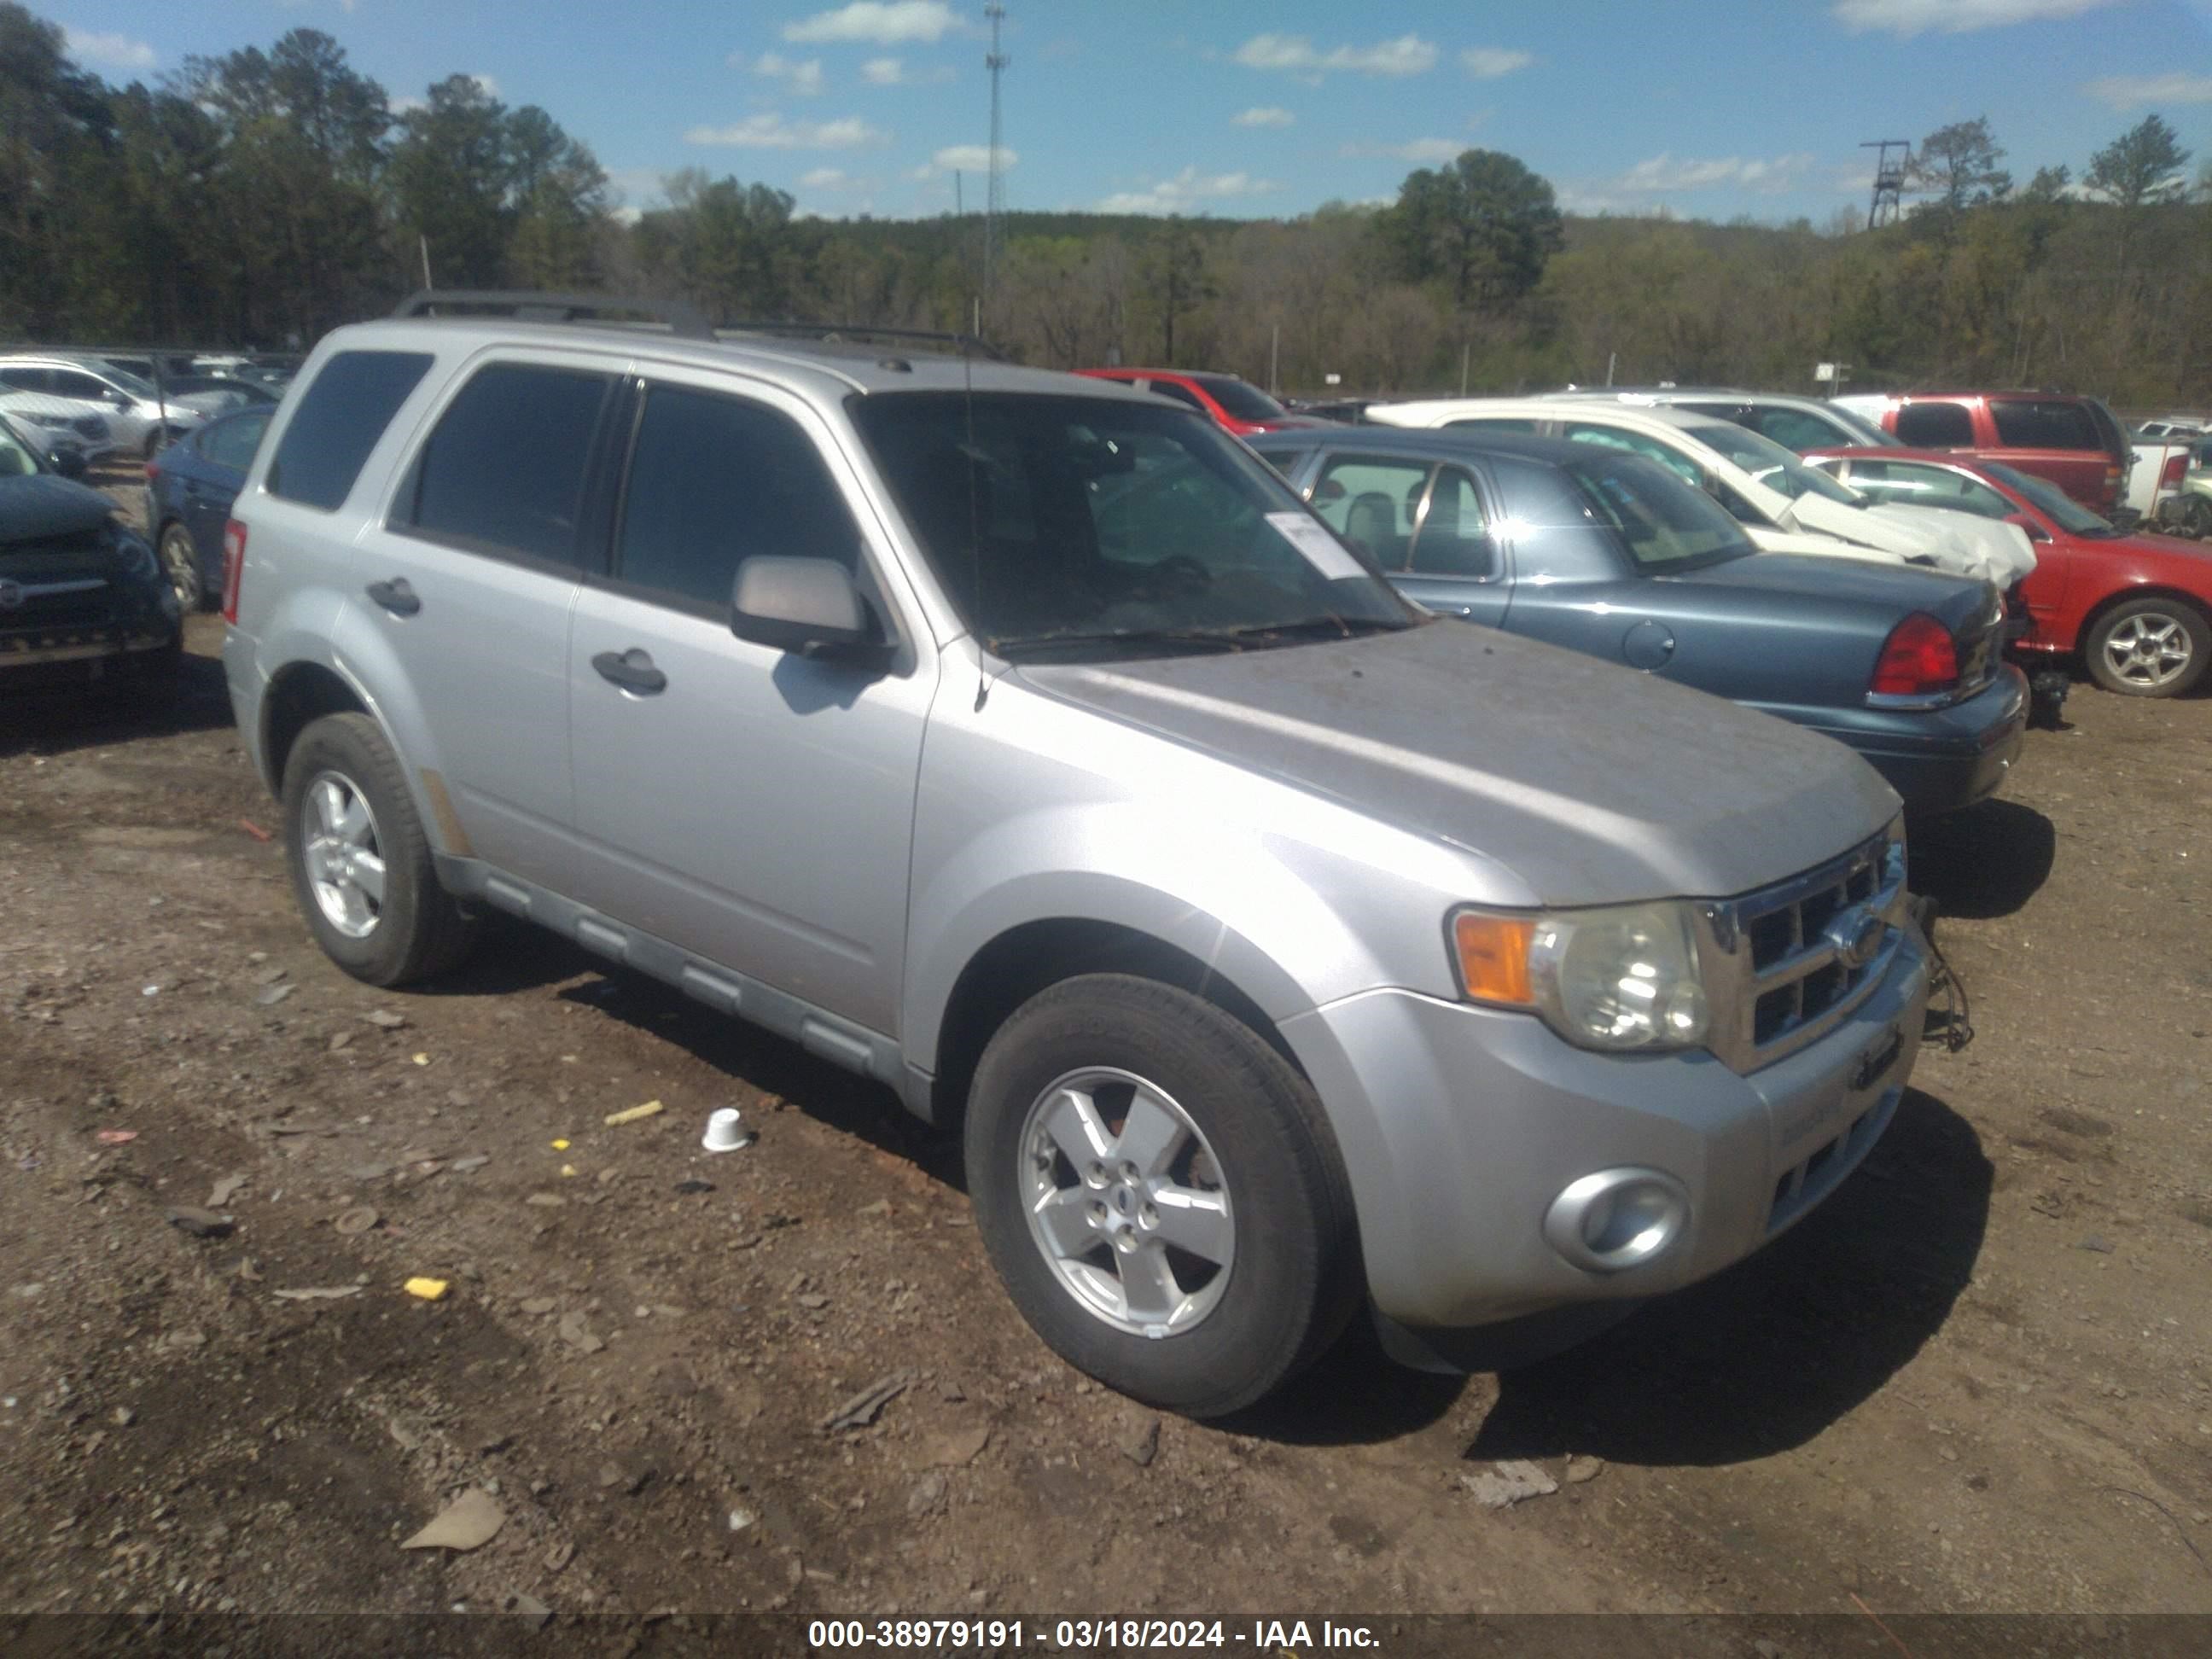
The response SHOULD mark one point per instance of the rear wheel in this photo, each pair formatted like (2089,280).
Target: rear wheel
(361,863)
(2196,517)
(2149,647)
(1160,1193)
(181,563)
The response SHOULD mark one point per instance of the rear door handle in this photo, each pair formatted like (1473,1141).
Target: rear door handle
(632,670)
(396,596)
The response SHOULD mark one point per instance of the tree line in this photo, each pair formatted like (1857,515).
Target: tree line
(259,199)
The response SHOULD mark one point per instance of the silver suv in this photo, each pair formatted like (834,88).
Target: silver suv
(1022,743)
(137,418)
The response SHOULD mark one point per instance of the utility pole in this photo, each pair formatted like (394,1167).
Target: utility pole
(1274,357)
(994,197)
(1888,179)
(424,242)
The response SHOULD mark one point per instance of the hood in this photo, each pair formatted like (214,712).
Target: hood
(2165,547)
(45,507)
(1969,544)
(1825,547)
(1592,783)
(1866,526)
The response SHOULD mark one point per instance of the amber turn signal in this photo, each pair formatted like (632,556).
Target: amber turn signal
(1494,956)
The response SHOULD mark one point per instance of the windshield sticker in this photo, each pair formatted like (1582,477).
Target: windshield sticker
(1322,550)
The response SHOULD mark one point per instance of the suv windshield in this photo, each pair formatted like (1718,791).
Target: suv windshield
(1240,399)
(1667,525)
(137,384)
(1772,464)
(1091,526)
(2055,503)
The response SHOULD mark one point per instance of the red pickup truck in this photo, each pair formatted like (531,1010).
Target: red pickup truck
(2074,442)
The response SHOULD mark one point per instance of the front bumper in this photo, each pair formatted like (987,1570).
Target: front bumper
(79,656)
(1460,1124)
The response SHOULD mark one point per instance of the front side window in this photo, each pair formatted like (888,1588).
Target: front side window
(1370,503)
(2055,503)
(75,383)
(1793,428)
(1665,526)
(1908,484)
(503,471)
(715,480)
(232,442)
(1146,531)
(340,417)
(1935,426)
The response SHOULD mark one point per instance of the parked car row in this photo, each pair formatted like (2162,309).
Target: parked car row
(129,406)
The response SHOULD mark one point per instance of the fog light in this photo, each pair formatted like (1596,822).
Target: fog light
(1617,1219)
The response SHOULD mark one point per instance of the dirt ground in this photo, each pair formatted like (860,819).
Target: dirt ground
(1977,1380)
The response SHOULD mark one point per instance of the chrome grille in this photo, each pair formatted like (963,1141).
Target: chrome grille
(1791,961)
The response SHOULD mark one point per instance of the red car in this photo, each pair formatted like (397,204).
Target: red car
(2136,608)
(2074,441)
(1238,405)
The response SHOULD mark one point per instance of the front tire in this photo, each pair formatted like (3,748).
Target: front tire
(2149,647)
(361,863)
(181,563)
(1160,1193)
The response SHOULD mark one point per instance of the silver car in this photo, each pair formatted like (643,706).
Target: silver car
(138,421)
(1023,743)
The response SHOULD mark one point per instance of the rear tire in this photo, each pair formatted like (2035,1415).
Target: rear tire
(1253,1221)
(361,863)
(2149,647)
(2196,517)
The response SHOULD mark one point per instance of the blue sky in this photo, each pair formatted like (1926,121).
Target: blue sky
(1240,111)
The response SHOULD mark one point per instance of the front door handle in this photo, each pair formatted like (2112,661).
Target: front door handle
(396,596)
(632,670)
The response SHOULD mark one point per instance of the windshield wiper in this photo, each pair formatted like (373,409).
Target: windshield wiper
(1196,639)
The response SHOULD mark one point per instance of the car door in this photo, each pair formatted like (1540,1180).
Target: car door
(1454,565)
(748,805)
(468,579)
(1572,584)
(210,480)
(2058,439)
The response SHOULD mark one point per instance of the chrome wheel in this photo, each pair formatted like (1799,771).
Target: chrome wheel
(343,855)
(181,563)
(2148,650)
(1127,1201)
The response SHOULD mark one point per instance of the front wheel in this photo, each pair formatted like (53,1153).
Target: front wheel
(359,862)
(181,563)
(2149,647)
(1160,1193)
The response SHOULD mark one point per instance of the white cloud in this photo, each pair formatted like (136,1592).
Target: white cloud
(875,22)
(971,158)
(2125,92)
(407,103)
(1414,150)
(486,85)
(109,51)
(1906,18)
(1186,190)
(772,131)
(1489,62)
(1406,55)
(893,72)
(803,78)
(624,215)
(825,179)
(1268,116)
(1666,174)
(638,187)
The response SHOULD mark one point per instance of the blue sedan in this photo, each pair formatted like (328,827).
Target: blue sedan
(1607,553)
(190,488)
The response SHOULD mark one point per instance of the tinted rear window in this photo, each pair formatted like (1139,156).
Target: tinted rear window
(2045,423)
(1244,400)
(1934,426)
(338,421)
(505,468)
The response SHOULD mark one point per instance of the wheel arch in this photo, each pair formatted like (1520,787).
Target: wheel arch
(1031,956)
(2112,602)
(300,694)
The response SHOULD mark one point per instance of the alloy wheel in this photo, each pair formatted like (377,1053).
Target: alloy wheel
(2148,650)
(340,848)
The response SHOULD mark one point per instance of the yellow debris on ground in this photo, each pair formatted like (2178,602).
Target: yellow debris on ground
(429,1289)
(650,1109)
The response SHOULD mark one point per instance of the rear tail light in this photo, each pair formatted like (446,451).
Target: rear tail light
(234,567)
(1919,659)
(2176,465)
(153,472)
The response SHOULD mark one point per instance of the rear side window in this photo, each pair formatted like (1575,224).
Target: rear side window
(1608,437)
(340,417)
(1181,394)
(1934,426)
(25,379)
(2044,424)
(1793,428)
(1496,423)
(715,480)
(232,442)
(504,470)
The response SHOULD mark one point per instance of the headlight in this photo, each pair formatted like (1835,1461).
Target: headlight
(137,557)
(1625,977)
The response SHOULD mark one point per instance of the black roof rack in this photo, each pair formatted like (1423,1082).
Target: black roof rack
(862,333)
(678,316)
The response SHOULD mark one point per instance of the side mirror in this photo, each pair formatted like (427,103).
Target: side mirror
(69,462)
(810,606)
(2035,533)
(116,400)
